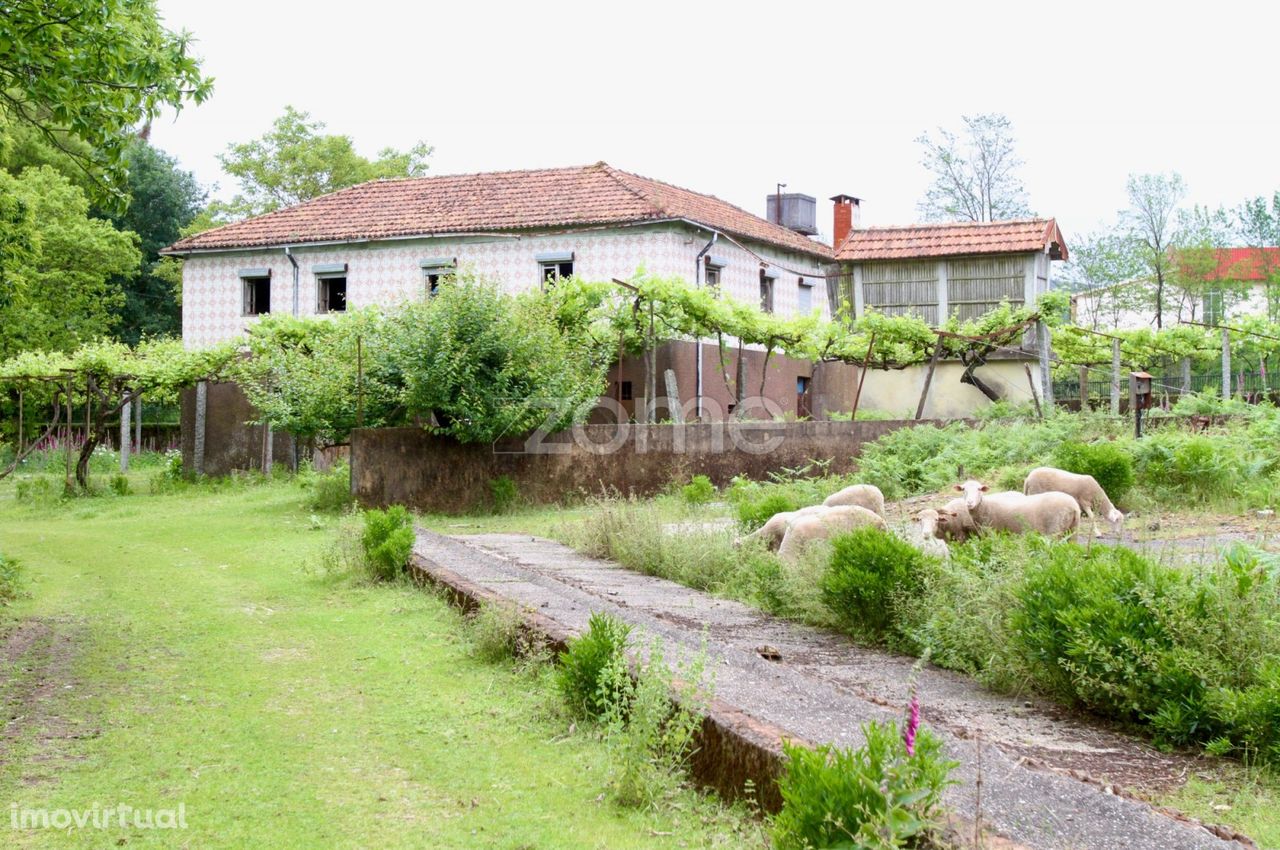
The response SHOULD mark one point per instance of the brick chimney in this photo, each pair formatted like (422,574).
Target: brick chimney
(848,215)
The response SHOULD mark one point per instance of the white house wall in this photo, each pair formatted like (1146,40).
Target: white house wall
(386,273)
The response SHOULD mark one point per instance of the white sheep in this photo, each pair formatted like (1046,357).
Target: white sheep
(864,495)
(808,529)
(775,529)
(1085,489)
(954,522)
(928,533)
(1051,514)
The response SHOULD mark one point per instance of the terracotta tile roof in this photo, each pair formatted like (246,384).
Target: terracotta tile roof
(1245,264)
(953,239)
(496,201)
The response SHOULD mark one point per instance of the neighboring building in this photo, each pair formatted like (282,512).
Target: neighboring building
(1241,282)
(389,241)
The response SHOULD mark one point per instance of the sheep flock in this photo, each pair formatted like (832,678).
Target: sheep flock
(1051,502)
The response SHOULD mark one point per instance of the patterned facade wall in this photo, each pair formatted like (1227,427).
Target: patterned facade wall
(386,273)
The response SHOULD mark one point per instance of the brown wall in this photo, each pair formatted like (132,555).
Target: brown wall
(230,443)
(436,474)
(831,388)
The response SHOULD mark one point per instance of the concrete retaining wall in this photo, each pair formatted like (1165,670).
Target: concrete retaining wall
(435,474)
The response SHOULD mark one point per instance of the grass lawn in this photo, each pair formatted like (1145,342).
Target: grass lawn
(183,649)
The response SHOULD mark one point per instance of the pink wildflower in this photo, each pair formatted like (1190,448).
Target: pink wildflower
(913,723)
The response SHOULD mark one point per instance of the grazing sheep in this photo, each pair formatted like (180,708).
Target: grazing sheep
(1083,488)
(807,529)
(864,495)
(928,534)
(1051,514)
(954,522)
(775,529)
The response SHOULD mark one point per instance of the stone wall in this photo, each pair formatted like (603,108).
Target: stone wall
(230,442)
(436,474)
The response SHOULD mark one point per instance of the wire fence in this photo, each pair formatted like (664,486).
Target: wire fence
(1254,384)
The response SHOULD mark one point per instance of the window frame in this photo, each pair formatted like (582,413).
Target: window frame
(250,279)
(767,289)
(552,266)
(712,272)
(323,306)
(436,267)
(807,290)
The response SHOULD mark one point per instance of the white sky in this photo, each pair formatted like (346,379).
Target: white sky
(731,98)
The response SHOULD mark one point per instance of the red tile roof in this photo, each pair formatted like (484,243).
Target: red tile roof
(1246,264)
(496,201)
(953,239)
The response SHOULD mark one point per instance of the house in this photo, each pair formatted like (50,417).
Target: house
(387,241)
(1226,282)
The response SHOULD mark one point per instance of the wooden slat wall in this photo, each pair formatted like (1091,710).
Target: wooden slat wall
(976,286)
(899,289)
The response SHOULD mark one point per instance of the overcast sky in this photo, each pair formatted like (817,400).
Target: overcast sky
(731,98)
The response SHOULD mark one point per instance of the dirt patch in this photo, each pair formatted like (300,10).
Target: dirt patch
(39,655)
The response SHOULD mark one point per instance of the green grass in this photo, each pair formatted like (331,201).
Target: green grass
(200,660)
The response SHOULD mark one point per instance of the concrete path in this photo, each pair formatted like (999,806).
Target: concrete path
(1039,762)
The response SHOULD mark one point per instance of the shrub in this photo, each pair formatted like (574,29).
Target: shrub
(504,492)
(1109,464)
(497,633)
(581,678)
(874,797)
(10,579)
(698,491)
(755,512)
(648,734)
(120,485)
(388,540)
(869,572)
(36,489)
(330,491)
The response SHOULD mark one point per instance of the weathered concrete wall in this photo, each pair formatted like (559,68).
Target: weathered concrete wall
(230,443)
(897,391)
(411,467)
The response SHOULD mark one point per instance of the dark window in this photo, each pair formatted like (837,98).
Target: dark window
(551,272)
(257,296)
(713,275)
(802,384)
(626,391)
(433,280)
(766,293)
(331,293)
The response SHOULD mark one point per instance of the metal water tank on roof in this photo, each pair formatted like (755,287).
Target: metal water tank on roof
(799,212)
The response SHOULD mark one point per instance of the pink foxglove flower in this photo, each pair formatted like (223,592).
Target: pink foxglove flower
(913,724)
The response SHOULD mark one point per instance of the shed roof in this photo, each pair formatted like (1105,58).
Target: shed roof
(953,239)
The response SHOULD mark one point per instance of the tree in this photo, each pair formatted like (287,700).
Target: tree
(1200,275)
(1150,222)
(478,364)
(294,162)
(163,200)
(1259,227)
(89,72)
(56,264)
(974,173)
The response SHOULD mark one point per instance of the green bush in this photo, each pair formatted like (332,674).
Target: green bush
(1109,464)
(873,797)
(388,540)
(504,492)
(330,491)
(650,735)
(870,571)
(120,485)
(581,678)
(36,489)
(10,579)
(698,491)
(497,633)
(755,512)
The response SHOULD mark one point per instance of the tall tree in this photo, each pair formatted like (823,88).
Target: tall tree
(57,264)
(163,200)
(1150,221)
(1200,277)
(974,172)
(1105,264)
(294,162)
(1259,227)
(89,72)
